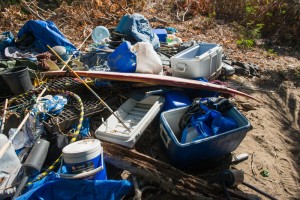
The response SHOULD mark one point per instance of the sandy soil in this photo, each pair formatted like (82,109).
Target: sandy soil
(273,144)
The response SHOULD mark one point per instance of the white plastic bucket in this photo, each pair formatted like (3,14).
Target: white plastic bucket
(84,159)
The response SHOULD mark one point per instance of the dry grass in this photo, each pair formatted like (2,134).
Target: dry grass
(277,20)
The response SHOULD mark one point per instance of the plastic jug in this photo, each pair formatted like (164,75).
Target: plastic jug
(100,33)
(9,160)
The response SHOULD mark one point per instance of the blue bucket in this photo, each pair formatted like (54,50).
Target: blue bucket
(122,59)
(84,160)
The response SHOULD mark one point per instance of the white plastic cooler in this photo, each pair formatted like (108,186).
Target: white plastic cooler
(202,60)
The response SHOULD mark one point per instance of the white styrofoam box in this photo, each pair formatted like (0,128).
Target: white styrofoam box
(202,60)
(136,115)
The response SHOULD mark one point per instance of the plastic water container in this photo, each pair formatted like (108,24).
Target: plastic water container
(84,159)
(99,34)
(122,59)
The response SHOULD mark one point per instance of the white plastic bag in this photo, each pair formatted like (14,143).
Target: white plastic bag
(147,60)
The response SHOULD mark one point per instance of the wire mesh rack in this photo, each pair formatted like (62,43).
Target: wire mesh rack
(70,113)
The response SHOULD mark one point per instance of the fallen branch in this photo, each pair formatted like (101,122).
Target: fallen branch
(167,177)
(27,7)
(156,19)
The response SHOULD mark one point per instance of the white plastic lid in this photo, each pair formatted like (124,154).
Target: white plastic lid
(100,33)
(81,148)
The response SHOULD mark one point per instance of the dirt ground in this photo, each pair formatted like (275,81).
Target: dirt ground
(273,144)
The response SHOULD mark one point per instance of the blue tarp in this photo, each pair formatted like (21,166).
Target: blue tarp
(138,27)
(45,33)
(53,187)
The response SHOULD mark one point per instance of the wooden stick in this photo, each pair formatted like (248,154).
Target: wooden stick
(9,142)
(89,88)
(169,178)
(4,116)
(75,51)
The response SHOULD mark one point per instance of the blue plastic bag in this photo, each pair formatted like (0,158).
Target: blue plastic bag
(122,59)
(45,33)
(203,125)
(138,27)
(6,40)
(52,187)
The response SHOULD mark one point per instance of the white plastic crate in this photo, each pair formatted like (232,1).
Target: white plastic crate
(202,60)
(136,115)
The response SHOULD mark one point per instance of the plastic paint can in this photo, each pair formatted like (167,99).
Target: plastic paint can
(84,156)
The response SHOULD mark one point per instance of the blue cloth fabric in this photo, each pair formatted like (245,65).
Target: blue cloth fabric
(6,40)
(52,105)
(45,33)
(212,122)
(85,128)
(52,187)
(138,27)
(195,93)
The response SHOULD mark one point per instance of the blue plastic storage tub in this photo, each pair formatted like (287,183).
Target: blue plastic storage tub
(189,154)
(161,33)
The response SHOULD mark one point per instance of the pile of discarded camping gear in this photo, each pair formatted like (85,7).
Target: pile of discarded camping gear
(52,91)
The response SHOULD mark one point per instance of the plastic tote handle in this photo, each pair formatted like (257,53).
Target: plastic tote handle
(180,67)
(164,136)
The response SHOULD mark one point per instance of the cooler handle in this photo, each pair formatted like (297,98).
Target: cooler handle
(164,136)
(210,62)
(180,67)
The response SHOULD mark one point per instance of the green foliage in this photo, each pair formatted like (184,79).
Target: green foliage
(297,73)
(274,19)
(245,43)
(268,14)
(272,51)
(256,32)
(250,10)
(212,15)
(249,34)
